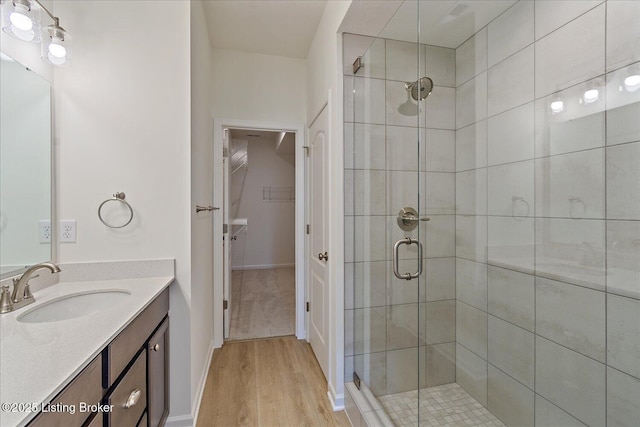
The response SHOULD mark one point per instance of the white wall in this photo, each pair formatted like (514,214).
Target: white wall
(270,237)
(259,87)
(202,194)
(122,123)
(324,76)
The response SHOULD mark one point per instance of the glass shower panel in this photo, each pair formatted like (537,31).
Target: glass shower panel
(525,160)
(383,156)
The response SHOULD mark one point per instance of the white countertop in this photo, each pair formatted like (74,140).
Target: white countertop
(37,360)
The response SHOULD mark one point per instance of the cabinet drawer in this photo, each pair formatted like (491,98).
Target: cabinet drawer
(127,411)
(122,349)
(85,388)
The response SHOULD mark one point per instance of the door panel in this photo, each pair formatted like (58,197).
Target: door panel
(318,292)
(226,236)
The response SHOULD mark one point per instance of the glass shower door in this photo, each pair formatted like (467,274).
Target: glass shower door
(400,218)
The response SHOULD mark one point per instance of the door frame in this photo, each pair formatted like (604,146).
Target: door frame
(219,124)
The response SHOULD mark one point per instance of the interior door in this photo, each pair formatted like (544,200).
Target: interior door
(318,256)
(226,235)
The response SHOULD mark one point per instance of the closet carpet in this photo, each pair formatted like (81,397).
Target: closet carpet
(265,383)
(262,303)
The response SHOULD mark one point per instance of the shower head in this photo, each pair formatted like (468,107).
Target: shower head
(419,89)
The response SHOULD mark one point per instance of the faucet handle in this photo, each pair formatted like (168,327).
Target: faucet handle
(5,300)
(27,292)
(17,279)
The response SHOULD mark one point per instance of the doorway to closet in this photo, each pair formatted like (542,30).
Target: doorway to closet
(261,171)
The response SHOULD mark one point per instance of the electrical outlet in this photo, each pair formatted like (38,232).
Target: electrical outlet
(67,231)
(44,230)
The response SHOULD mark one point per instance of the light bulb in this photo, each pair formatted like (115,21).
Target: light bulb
(20,19)
(557,106)
(55,60)
(632,83)
(591,96)
(56,48)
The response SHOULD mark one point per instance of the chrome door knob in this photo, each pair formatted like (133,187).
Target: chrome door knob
(323,256)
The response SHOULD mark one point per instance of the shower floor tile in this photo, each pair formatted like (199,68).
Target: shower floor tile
(445,405)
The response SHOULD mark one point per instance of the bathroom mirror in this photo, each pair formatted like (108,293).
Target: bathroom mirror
(25,167)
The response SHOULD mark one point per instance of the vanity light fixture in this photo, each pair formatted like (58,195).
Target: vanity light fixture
(56,44)
(632,83)
(21,19)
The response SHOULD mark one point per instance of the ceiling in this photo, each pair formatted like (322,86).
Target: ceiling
(283,142)
(253,134)
(270,27)
(286,27)
(445,23)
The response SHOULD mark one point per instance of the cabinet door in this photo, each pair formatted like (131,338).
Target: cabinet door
(158,375)
(86,388)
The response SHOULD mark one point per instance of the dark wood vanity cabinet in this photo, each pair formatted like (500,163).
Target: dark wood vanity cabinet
(136,367)
(158,375)
(84,389)
(131,373)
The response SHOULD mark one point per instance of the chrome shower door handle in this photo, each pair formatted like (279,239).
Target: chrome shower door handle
(396,258)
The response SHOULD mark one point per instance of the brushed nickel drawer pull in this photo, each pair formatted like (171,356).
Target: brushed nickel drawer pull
(156,347)
(133,398)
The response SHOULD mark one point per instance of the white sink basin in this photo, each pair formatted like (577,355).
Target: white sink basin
(74,305)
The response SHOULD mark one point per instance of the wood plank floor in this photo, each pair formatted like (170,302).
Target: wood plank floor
(270,382)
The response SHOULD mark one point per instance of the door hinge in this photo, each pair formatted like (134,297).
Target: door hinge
(307,305)
(308,229)
(225,304)
(306,150)
(225,228)
(225,152)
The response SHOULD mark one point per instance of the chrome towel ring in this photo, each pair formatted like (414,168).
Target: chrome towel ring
(118,197)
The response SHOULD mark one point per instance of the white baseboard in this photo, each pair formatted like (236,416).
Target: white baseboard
(182,421)
(201,385)
(336,400)
(262,266)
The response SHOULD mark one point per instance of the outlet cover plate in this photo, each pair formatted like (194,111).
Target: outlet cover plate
(67,231)
(44,230)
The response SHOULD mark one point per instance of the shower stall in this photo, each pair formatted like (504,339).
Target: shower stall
(492,215)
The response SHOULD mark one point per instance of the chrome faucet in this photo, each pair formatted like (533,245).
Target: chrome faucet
(21,295)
